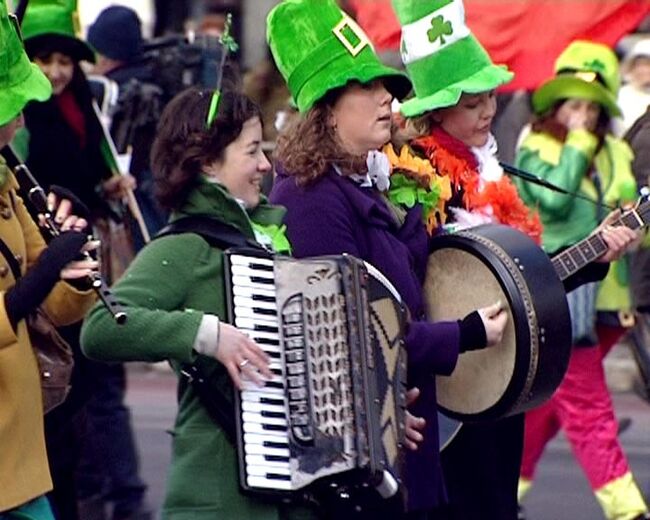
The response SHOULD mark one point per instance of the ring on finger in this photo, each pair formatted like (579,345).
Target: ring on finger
(244,363)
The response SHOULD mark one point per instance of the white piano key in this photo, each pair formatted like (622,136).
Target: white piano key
(258,417)
(260,449)
(242,270)
(259,334)
(256,396)
(247,260)
(253,427)
(262,461)
(248,302)
(262,439)
(259,318)
(245,281)
(244,291)
(248,292)
(252,386)
(262,482)
(250,324)
(249,406)
(262,471)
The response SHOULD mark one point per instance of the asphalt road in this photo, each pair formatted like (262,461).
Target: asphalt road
(560,492)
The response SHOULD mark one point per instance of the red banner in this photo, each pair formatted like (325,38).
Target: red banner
(526,35)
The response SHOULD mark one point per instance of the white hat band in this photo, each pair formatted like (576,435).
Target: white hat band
(434,32)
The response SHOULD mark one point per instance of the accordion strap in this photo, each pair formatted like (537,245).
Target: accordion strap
(222,236)
(216,233)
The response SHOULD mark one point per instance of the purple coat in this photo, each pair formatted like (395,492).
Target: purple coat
(335,215)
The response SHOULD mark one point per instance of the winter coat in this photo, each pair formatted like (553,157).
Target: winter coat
(173,282)
(24,471)
(335,215)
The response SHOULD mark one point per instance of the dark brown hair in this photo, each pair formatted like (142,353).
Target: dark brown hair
(548,124)
(184,144)
(309,146)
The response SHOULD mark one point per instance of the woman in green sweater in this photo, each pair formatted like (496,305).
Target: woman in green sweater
(176,299)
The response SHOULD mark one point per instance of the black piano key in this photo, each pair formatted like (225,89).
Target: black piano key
(262,281)
(269,400)
(266,328)
(275,476)
(266,341)
(280,415)
(267,312)
(274,427)
(276,458)
(263,298)
(274,444)
(260,267)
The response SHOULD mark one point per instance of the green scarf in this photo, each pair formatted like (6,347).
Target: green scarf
(276,234)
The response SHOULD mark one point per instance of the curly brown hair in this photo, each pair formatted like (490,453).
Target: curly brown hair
(308,147)
(184,144)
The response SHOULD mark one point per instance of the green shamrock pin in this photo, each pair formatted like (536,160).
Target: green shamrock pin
(439,29)
(595,64)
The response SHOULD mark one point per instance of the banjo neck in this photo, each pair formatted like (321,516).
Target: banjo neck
(571,260)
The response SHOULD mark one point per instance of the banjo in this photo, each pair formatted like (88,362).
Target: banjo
(473,268)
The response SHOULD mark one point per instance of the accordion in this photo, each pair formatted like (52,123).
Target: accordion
(334,410)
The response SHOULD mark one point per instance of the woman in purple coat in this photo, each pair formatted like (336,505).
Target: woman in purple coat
(331,178)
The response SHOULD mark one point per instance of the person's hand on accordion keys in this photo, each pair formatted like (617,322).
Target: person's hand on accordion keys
(242,357)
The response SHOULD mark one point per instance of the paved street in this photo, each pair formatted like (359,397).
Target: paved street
(561,491)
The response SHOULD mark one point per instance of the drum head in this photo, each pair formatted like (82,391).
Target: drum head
(458,283)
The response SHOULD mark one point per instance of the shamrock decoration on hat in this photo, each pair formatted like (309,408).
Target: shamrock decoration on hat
(442,57)
(584,70)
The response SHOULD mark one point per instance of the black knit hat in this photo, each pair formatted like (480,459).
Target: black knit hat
(117,34)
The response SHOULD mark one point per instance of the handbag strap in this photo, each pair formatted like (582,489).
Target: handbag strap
(11,259)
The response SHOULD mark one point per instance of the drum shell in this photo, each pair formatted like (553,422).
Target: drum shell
(542,330)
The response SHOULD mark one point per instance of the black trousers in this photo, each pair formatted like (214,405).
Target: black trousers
(481,469)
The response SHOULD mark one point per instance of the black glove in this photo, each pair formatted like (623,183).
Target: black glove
(30,290)
(472,332)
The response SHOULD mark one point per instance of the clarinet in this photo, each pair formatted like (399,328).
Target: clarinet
(37,197)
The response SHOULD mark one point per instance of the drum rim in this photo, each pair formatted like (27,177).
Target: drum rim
(520,384)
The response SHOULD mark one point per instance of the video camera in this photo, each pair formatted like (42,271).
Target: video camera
(177,63)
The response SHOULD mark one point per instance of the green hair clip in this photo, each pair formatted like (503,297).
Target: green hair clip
(229,45)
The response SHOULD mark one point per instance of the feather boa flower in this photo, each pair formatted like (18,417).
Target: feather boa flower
(497,199)
(414,180)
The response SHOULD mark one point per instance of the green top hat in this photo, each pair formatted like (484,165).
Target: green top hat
(442,57)
(318,48)
(584,70)
(53,25)
(20,80)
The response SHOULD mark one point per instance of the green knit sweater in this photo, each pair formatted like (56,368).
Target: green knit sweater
(166,291)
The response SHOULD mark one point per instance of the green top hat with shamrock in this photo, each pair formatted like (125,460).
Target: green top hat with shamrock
(442,57)
(20,80)
(318,48)
(53,26)
(584,70)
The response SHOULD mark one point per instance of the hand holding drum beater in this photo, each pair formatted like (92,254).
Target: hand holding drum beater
(37,197)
